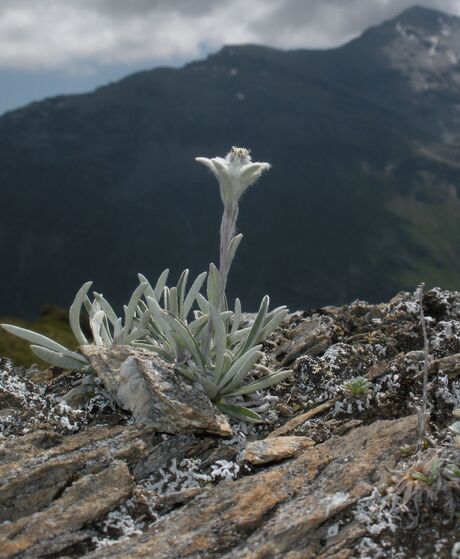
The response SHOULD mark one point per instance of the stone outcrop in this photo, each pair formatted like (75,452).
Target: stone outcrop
(335,472)
(283,510)
(145,385)
(275,449)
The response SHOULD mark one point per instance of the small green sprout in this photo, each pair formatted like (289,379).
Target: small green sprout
(357,386)
(427,478)
(453,470)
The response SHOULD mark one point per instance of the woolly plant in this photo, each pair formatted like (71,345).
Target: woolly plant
(205,341)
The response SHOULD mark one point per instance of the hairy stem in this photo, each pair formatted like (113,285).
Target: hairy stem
(227,232)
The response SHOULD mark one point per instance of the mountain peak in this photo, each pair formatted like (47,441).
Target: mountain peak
(421,16)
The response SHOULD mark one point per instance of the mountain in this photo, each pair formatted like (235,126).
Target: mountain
(362,199)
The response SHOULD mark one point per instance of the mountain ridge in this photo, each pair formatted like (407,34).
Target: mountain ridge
(93,182)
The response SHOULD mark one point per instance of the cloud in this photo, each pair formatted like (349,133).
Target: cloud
(76,35)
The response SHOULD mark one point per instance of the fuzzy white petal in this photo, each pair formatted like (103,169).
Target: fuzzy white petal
(207,162)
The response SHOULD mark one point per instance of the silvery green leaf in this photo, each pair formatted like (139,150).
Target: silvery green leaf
(254,334)
(131,308)
(228,360)
(164,354)
(225,315)
(34,338)
(185,370)
(160,318)
(95,323)
(213,287)
(148,289)
(209,386)
(219,339)
(240,368)
(239,412)
(173,302)
(141,306)
(157,314)
(236,317)
(184,337)
(106,307)
(144,320)
(223,301)
(239,335)
(198,324)
(136,334)
(166,298)
(192,294)
(233,247)
(161,283)
(181,286)
(265,382)
(59,359)
(105,332)
(75,310)
(202,303)
(274,322)
(117,331)
(157,291)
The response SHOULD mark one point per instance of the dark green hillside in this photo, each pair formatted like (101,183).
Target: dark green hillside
(362,199)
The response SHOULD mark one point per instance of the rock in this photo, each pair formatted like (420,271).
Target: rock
(169,501)
(86,500)
(36,468)
(72,470)
(149,388)
(310,337)
(281,512)
(449,366)
(275,449)
(298,420)
(378,369)
(173,448)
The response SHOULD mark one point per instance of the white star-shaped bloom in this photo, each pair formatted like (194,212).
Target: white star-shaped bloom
(235,173)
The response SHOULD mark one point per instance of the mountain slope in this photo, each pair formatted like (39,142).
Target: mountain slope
(362,198)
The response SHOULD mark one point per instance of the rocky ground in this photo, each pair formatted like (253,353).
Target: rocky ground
(335,471)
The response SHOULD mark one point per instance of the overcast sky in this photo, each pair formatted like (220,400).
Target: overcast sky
(58,46)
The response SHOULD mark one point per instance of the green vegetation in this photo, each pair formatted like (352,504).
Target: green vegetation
(357,386)
(205,341)
(427,478)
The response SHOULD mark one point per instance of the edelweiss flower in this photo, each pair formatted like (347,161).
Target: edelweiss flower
(235,173)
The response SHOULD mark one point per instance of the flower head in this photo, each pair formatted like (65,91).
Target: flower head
(235,173)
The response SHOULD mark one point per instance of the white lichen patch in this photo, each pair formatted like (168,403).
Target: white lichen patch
(178,476)
(189,474)
(378,512)
(117,526)
(225,470)
(445,338)
(29,406)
